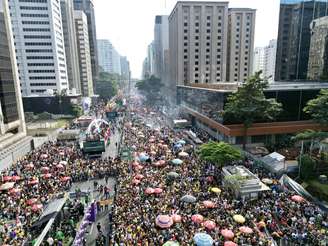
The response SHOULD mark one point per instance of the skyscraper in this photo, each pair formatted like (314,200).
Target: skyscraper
(161,46)
(294,36)
(82,37)
(125,68)
(87,7)
(12,122)
(72,62)
(108,57)
(265,60)
(39,42)
(258,60)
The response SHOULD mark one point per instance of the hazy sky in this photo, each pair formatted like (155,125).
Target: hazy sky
(129,24)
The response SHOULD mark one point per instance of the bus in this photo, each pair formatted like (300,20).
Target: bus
(181,124)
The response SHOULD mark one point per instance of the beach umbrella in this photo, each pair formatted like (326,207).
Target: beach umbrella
(143,157)
(209,224)
(158,190)
(162,162)
(188,199)
(60,235)
(209,204)
(33,182)
(14,191)
(183,154)
(171,243)
(65,179)
(230,243)
(7,178)
(178,146)
(44,156)
(47,176)
(203,239)
(177,162)
(63,163)
(297,198)
(176,218)
(31,201)
(136,181)
(239,218)
(173,175)
(182,142)
(227,234)
(164,221)
(36,207)
(149,191)
(7,186)
(197,218)
(16,178)
(267,181)
(215,190)
(139,176)
(246,229)
(60,166)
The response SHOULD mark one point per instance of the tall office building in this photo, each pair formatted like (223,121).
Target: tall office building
(258,60)
(161,46)
(72,62)
(265,60)
(294,36)
(125,68)
(116,61)
(12,122)
(105,60)
(318,56)
(241,28)
(198,42)
(87,6)
(39,42)
(82,36)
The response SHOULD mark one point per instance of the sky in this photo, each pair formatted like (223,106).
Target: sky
(129,24)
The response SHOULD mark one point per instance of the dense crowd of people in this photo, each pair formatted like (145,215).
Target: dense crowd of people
(274,215)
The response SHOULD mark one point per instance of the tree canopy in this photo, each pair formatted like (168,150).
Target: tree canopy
(219,153)
(107,85)
(150,88)
(249,104)
(318,108)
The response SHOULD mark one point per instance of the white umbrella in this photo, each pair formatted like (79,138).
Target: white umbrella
(7,186)
(183,154)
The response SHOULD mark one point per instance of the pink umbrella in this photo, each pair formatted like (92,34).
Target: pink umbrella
(47,176)
(209,224)
(65,179)
(228,234)
(246,229)
(60,166)
(149,191)
(16,178)
(164,221)
(209,179)
(230,243)
(197,218)
(162,162)
(32,201)
(33,182)
(157,164)
(135,163)
(14,191)
(139,167)
(136,181)
(139,176)
(209,204)
(62,153)
(297,198)
(44,156)
(36,207)
(176,218)
(29,166)
(45,169)
(7,178)
(158,190)
(151,140)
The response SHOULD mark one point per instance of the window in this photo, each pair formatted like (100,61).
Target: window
(43,84)
(185,30)
(208,44)
(207,57)
(218,50)
(196,56)
(33,8)
(208,17)
(185,57)
(42,77)
(208,30)
(185,38)
(185,24)
(37,36)
(208,37)
(39,57)
(39,51)
(196,37)
(196,50)
(207,63)
(36,29)
(207,50)
(33,1)
(196,30)
(196,63)
(35,22)
(185,44)
(197,24)
(196,44)
(208,24)
(185,50)
(35,15)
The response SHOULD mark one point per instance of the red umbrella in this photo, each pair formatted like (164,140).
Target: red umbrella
(176,218)
(136,181)
(230,243)
(16,178)
(36,207)
(139,176)
(65,179)
(164,221)
(246,229)
(7,178)
(45,169)
(197,218)
(158,190)
(209,224)
(32,201)
(209,204)
(60,166)
(149,191)
(33,182)
(228,234)
(47,176)
(297,198)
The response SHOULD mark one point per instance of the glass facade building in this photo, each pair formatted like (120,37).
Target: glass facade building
(294,37)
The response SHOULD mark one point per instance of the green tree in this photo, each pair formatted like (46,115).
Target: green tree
(318,108)
(150,88)
(107,85)
(312,137)
(248,104)
(219,153)
(306,166)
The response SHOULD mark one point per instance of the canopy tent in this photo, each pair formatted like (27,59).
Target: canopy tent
(188,199)
(203,239)
(274,162)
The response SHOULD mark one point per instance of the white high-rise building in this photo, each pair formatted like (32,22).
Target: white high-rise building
(108,57)
(116,62)
(265,60)
(82,36)
(39,42)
